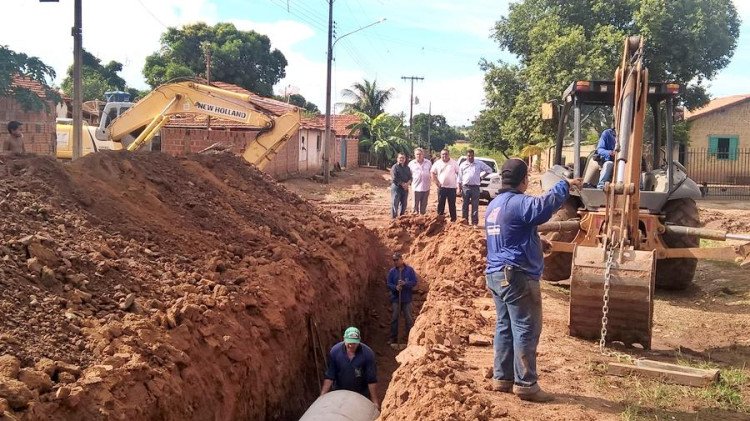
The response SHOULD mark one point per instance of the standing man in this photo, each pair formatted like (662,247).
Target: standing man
(351,366)
(445,175)
(400,179)
(14,145)
(401,281)
(606,152)
(420,180)
(469,179)
(514,265)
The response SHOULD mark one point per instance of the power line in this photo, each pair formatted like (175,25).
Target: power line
(152,15)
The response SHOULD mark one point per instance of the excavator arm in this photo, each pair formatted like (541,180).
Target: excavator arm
(151,113)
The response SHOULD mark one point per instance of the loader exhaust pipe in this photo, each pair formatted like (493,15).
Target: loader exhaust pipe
(706,233)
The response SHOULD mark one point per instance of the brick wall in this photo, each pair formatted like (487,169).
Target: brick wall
(38,126)
(352,153)
(180,141)
(286,162)
(732,121)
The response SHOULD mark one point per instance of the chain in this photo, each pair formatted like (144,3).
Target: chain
(605,299)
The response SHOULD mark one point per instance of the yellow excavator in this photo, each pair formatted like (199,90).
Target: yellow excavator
(131,126)
(642,230)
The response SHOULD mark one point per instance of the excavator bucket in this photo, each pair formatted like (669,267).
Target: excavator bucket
(630,295)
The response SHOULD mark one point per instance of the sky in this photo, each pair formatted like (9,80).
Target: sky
(442,41)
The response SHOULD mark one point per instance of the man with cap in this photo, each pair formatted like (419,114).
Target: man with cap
(401,280)
(352,366)
(514,265)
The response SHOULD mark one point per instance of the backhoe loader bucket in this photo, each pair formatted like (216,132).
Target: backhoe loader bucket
(630,296)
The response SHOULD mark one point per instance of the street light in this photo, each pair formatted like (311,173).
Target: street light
(331,43)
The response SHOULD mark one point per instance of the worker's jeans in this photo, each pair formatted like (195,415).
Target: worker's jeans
(420,201)
(449,194)
(519,324)
(470,196)
(608,168)
(406,311)
(398,200)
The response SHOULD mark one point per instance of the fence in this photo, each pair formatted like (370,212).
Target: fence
(722,173)
(367,159)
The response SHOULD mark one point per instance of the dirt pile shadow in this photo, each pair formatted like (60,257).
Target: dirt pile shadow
(433,381)
(141,286)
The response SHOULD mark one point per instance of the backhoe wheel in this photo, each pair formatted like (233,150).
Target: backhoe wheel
(557,265)
(677,274)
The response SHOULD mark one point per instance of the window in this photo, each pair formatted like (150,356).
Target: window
(318,142)
(723,147)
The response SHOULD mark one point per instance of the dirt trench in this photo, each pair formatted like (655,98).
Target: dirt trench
(141,286)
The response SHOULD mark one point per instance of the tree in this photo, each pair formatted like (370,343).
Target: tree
(13,64)
(687,41)
(385,137)
(440,133)
(365,97)
(300,101)
(244,58)
(96,79)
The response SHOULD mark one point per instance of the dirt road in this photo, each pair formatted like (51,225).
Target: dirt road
(442,376)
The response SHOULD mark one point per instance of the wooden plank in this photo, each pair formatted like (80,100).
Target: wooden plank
(712,373)
(662,374)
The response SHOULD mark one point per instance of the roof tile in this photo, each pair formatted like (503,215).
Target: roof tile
(715,105)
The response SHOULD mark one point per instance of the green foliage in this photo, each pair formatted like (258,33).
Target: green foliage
(687,41)
(243,58)
(385,137)
(301,102)
(19,64)
(440,133)
(367,98)
(96,78)
(457,151)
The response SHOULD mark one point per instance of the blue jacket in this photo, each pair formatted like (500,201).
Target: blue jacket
(411,281)
(606,144)
(512,239)
(354,374)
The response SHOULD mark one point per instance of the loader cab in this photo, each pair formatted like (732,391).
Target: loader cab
(590,104)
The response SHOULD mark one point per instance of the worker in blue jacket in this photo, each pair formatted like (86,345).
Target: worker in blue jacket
(515,261)
(605,149)
(401,280)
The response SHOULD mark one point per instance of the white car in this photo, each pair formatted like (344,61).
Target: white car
(491,183)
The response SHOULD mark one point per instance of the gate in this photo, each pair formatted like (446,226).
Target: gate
(721,173)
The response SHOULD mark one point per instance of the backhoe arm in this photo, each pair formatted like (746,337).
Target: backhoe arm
(151,113)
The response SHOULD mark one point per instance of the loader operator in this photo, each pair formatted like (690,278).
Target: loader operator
(514,265)
(605,150)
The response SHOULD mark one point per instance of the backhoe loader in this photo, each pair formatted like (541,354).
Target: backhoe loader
(642,230)
(130,126)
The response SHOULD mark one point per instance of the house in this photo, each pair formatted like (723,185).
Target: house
(301,155)
(38,125)
(347,143)
(719,146)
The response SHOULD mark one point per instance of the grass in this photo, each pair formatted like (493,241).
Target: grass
(648,396)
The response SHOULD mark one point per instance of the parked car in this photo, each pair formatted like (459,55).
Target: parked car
(490,183)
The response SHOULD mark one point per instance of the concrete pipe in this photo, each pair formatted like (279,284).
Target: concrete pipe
(341,405)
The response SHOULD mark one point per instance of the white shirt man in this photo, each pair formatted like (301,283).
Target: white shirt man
(420,180)
(445,175)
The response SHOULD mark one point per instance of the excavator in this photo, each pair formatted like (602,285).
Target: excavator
(642,230)
(131,126)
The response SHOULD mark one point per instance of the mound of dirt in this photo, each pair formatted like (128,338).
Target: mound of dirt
(142,286)
(434,381)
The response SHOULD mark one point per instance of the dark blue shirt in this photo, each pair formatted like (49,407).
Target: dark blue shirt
(354,374)
(511,221)
(409,276)
(606,145)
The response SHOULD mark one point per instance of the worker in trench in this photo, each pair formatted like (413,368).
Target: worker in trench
(352,366)
(515,261)
(401,281)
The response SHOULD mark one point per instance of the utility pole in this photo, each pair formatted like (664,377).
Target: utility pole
(326,166)
(77,33)
(207,53)
(411,101)
(429,124)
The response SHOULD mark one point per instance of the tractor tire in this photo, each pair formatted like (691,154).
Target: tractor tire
(557,265)
(677,274)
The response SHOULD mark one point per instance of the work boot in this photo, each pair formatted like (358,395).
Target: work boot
(504,386)
(532,394)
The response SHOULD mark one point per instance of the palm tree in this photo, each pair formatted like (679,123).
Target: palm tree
(382,136)
(366,98)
